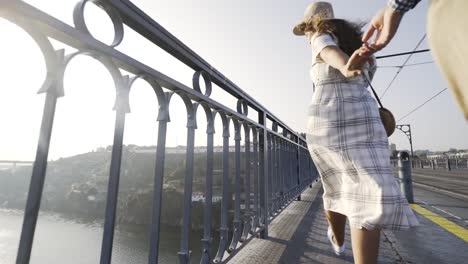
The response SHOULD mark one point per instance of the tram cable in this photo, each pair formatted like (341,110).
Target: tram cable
(402,66)
(417,108)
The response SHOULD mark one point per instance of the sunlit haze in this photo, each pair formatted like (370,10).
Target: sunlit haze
(249,41)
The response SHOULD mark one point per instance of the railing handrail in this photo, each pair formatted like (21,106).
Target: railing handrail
(68,35)
(151,30)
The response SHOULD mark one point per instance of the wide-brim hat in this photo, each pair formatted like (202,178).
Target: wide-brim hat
(322,9)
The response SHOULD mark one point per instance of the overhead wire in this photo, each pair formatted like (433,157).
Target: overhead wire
(417,108)
(407,65)
(402,66)
(402,53)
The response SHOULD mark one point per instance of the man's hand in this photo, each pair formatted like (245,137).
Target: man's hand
(386,23)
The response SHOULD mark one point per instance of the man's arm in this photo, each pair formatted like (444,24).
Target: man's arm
(385,23)
(402,5)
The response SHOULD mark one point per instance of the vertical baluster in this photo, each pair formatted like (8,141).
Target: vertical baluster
(237,221)
(36,185)
(299,169)
(121,107)
(284,169)
(270,178)
(158,189)
(279,158)
(293,171)
(305,165)
(184,253)
(207,239)
(301,164)
(288,173)
(309,170)
(280,170)
(263,174)
(247,216)
(256,187)
(113,189)
(163,118)
(223,230)
(306,168)
(277,176)
(274,181)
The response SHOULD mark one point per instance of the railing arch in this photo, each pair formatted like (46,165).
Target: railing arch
(277,156)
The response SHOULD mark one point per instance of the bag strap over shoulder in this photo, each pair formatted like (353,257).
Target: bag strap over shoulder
(373,91)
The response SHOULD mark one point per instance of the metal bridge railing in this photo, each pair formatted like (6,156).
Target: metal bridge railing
(280,162)
(446,163)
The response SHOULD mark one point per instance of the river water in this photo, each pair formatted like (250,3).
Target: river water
(59,240)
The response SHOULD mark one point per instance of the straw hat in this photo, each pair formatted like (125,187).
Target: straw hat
(324,9)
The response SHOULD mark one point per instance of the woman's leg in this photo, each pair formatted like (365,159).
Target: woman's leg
(365,245)
(337,223)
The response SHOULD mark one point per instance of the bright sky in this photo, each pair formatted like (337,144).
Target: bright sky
(249,41)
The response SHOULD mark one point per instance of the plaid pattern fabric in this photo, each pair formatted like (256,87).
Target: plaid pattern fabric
(403,5)
(349,146)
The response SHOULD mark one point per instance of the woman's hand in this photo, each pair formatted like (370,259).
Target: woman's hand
(354,65)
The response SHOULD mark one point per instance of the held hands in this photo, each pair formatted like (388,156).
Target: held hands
(356,62)
(386,23)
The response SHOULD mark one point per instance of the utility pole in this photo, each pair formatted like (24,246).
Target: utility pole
(406,129)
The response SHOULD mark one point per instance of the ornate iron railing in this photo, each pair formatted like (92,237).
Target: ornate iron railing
(280,162)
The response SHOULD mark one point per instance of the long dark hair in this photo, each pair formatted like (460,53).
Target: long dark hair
(348,34)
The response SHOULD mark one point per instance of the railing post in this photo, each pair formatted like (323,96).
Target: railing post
(274,174)
(256,189)
(163,119)
(271,192)
(247,214)
(236,222)
(310,172)
(404,175)
(224,229)
(448,165)
(185,252)
(298,159)
(281,162)
(263,174)
(208,209)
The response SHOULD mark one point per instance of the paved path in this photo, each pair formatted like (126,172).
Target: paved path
(455,181)
(298,235)
(429,242)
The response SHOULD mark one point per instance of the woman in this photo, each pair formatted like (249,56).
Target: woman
(346,137)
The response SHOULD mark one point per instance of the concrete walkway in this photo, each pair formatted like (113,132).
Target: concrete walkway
(298,235)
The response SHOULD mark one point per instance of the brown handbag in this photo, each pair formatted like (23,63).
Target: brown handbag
(386,116)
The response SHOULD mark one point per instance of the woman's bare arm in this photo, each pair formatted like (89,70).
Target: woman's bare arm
(348,66)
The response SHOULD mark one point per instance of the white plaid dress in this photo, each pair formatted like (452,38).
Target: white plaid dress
(349,147)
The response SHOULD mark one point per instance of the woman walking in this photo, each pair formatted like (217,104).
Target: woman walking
(346,137)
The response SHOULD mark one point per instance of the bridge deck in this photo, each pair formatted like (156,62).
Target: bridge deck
(298,234)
